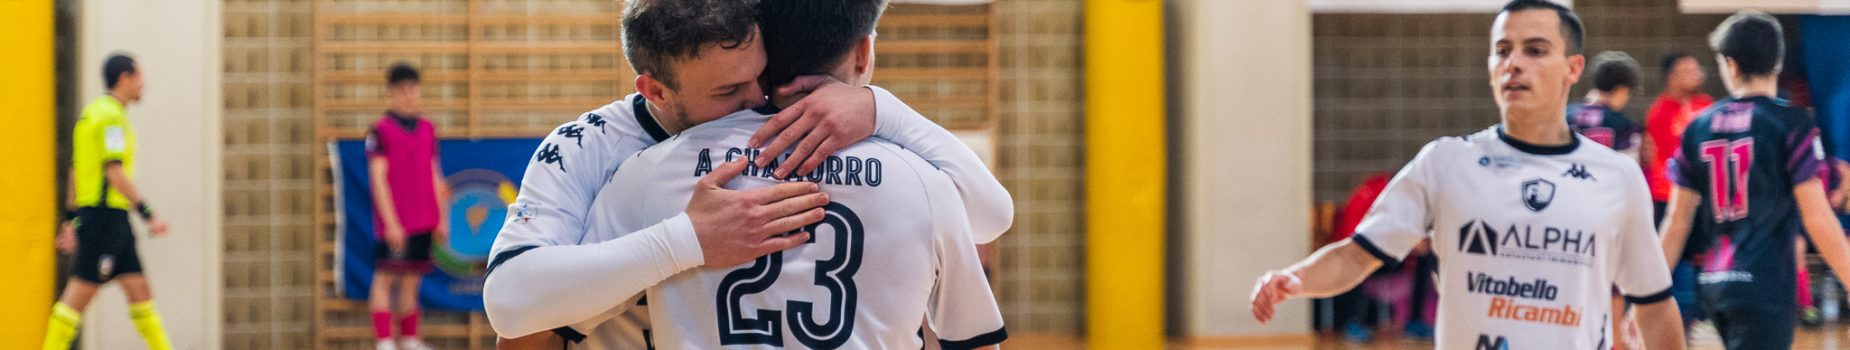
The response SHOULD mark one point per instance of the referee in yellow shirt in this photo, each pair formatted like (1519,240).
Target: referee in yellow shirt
(102,162)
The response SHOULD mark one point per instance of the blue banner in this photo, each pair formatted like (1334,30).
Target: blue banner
(484,176)
(1825,55)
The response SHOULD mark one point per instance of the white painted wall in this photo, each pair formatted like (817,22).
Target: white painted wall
(1246,171)
(178,163)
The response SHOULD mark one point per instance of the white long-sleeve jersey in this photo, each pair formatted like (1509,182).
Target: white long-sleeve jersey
(549,269)
(891,253)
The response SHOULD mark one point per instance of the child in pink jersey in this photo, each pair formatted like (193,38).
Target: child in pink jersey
(408,220)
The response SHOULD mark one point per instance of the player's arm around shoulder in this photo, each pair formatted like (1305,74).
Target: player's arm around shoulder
(835,116)
(562,178)
(989,206)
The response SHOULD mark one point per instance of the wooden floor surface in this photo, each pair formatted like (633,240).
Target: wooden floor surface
(1828,337)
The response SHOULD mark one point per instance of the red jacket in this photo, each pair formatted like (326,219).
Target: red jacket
(1664,125)
(1360,201)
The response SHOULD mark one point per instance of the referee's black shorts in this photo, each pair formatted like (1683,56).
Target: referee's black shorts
(105,245)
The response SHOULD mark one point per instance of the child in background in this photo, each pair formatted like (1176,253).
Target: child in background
(1600,117)
(408,220)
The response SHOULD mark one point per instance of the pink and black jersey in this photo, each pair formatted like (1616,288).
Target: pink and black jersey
(1745,155)
(409,146)
(1605,126)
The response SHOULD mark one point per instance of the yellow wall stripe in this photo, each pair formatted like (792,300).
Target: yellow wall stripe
(27,214)
(1125,173)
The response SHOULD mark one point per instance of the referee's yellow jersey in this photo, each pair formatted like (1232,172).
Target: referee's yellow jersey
(102,136)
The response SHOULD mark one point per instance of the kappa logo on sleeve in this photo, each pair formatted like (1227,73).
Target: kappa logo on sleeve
(549,154)
(593,119)
(574,132)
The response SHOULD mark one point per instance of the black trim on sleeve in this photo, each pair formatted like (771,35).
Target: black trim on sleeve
(504,256)
(641,107)
(1651,298)
(1362,241)
(986,339)
(569,334)
(102,197)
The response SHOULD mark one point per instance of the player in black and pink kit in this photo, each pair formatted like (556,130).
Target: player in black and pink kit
(1748,167)
(1614,74)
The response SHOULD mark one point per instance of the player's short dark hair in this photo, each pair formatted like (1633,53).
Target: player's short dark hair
(803,37)
(1613,69)
(114,67)
(1753,39)
(658,32)
(1669,62)
(401,73)
(1571,28)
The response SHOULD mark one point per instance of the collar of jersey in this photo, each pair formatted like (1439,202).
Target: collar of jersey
(768,108)
(115,104)
(409,123)
(1573,142)
(647,120)
(1759,99)
(113,101)
(1571,108)
(755,116)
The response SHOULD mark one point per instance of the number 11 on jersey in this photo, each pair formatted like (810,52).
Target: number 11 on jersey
(1729,162)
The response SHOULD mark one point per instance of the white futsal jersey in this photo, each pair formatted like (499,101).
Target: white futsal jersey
(552,270)
(892,253)
(1530,239)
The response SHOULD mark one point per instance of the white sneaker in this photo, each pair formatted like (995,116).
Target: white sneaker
(413,344)
(386,344)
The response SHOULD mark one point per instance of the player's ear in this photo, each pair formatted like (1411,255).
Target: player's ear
(650,88)
(1576,64)
(864,55)
(1727,65)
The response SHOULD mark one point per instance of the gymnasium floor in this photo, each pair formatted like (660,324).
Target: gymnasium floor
(1831,337)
